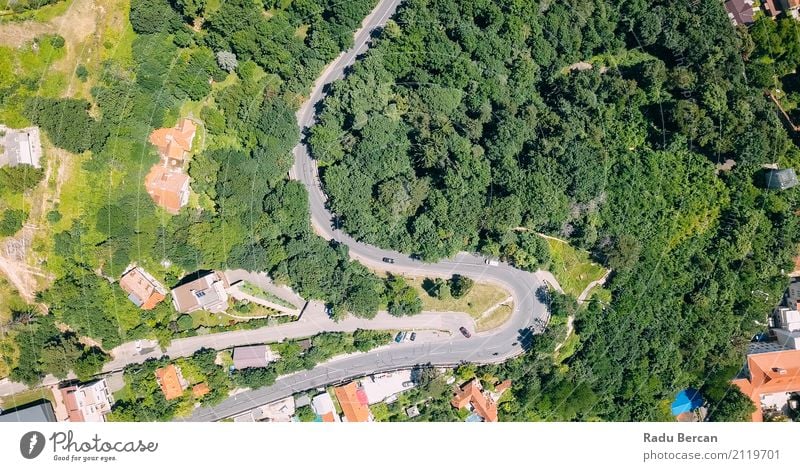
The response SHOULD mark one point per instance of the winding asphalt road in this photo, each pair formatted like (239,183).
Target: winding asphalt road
(499,344)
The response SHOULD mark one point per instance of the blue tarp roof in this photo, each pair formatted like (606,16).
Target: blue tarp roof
(686,401)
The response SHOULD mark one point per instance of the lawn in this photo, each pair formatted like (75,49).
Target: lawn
(26,397)
(208,319)
(253,290)
(495,318)
(572,267)
(481,297)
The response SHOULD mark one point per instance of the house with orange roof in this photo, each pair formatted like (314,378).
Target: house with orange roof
(353,401)
(174,144)
(143,290)
(167,183)
(199,390)
(769,379)
(481,402)
(171,382)
(169,188)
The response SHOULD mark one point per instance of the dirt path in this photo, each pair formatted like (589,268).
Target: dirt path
(588,289)
(77,23)
(581,300)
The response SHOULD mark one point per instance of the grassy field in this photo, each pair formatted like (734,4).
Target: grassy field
(475,303)
(572,267)
(26,397)
(495,318)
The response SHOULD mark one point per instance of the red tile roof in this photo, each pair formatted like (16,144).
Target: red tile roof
(354,405)
(200,390)
(472,393)
(142,286)
(772,372)
(174,143)
(170,383)
(168,188)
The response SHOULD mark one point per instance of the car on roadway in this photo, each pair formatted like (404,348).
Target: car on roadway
(408,384)
(491,262)
(413,336)
(388,260)
(464,332)
(400,337)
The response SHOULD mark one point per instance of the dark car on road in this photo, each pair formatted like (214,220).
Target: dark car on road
(388,260)
(465,332)
(400,337)
(413,336)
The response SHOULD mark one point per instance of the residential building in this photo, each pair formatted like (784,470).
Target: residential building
(323,406)
(167,183)
(199,390)
(740,11)
(471,396)
(255,356)
(174,144)
(412,412)
(782,179)
(171,382)
(204,293)
(353,401)
(40,411)
(143,290)
(769,379)
(482,403)
(169,188)
(88,402)
(20,147)
(786,327)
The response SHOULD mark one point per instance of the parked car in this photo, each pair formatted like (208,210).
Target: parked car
(388,260)
(408,384)
(491,262)
(400,337)
(465,332)
(413,336)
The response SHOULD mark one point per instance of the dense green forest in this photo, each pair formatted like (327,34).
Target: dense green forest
(466,123)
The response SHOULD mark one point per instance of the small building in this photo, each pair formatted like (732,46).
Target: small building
(412,412)
(384,387)
(171,382)
(168,188)
(88,402)
(174,144)
(199,390)
(20,147)
(322,404)
(740,12)
(255,356)
(769,379)
(206,293)
(143,290)
(39,411)
(353,401)
(782,179)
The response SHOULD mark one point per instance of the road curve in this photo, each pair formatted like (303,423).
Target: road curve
(499,344)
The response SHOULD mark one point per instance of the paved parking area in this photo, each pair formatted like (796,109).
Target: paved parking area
(382,386)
